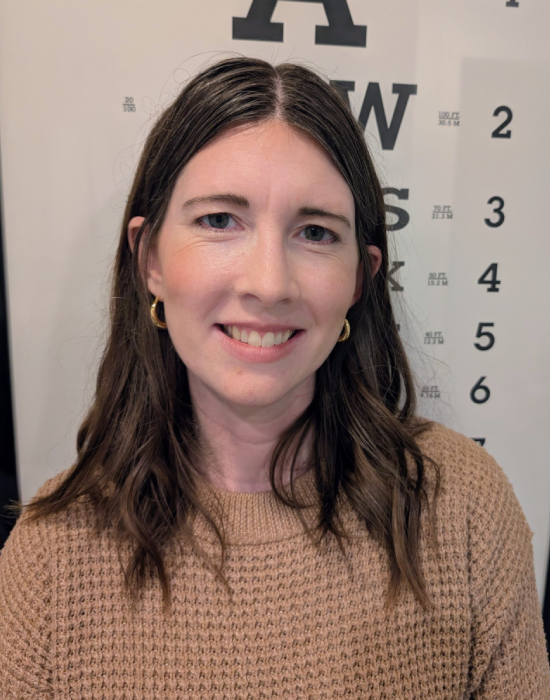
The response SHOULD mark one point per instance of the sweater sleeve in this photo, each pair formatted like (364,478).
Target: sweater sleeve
(508,655)
(25,598)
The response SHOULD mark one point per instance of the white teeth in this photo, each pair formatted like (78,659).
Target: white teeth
(254,338)
(268,341)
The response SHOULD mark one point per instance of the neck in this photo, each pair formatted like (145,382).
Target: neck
(237,441)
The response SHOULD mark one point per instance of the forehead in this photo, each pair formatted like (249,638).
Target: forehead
(271,159)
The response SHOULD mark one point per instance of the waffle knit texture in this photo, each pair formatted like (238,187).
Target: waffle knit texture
(303,623)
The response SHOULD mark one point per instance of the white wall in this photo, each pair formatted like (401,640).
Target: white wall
(69,148)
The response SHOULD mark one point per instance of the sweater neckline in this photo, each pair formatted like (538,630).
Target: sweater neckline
(255,517)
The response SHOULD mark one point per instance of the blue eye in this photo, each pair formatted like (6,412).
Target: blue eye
(216,219)
(319,233)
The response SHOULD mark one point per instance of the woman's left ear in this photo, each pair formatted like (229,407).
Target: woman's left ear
(375,255)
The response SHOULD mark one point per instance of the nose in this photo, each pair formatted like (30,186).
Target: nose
(267,271)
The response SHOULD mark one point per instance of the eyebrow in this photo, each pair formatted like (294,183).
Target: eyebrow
(239,201)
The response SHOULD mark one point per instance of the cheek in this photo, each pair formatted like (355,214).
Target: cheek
(191,275)
(331,294)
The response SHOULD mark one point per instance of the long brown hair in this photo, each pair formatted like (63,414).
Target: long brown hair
(139,434)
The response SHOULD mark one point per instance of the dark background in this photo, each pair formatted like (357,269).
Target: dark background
(9,490)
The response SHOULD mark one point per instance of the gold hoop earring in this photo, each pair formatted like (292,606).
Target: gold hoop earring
(347,331)
(156,320)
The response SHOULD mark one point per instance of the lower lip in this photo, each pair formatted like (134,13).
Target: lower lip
(249,353)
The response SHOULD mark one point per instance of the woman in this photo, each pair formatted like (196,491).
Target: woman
(255,510)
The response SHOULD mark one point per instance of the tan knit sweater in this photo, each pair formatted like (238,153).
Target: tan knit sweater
(302,625)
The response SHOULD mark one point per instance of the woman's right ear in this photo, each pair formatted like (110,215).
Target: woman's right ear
(153,273)
(133,227)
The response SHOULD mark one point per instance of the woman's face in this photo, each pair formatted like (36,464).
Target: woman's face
(257,261)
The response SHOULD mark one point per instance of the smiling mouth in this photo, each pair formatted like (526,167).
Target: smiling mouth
(264,340)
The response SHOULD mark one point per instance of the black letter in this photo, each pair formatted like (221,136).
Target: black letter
(402,215)
(373,99)
(395,286)
(341,31)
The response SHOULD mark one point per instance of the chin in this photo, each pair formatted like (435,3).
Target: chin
(254,397)
(244,388)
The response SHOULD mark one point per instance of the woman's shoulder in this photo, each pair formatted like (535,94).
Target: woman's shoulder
(471,479)
(460,458)
(26,556)
(46,533)
(449,446)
